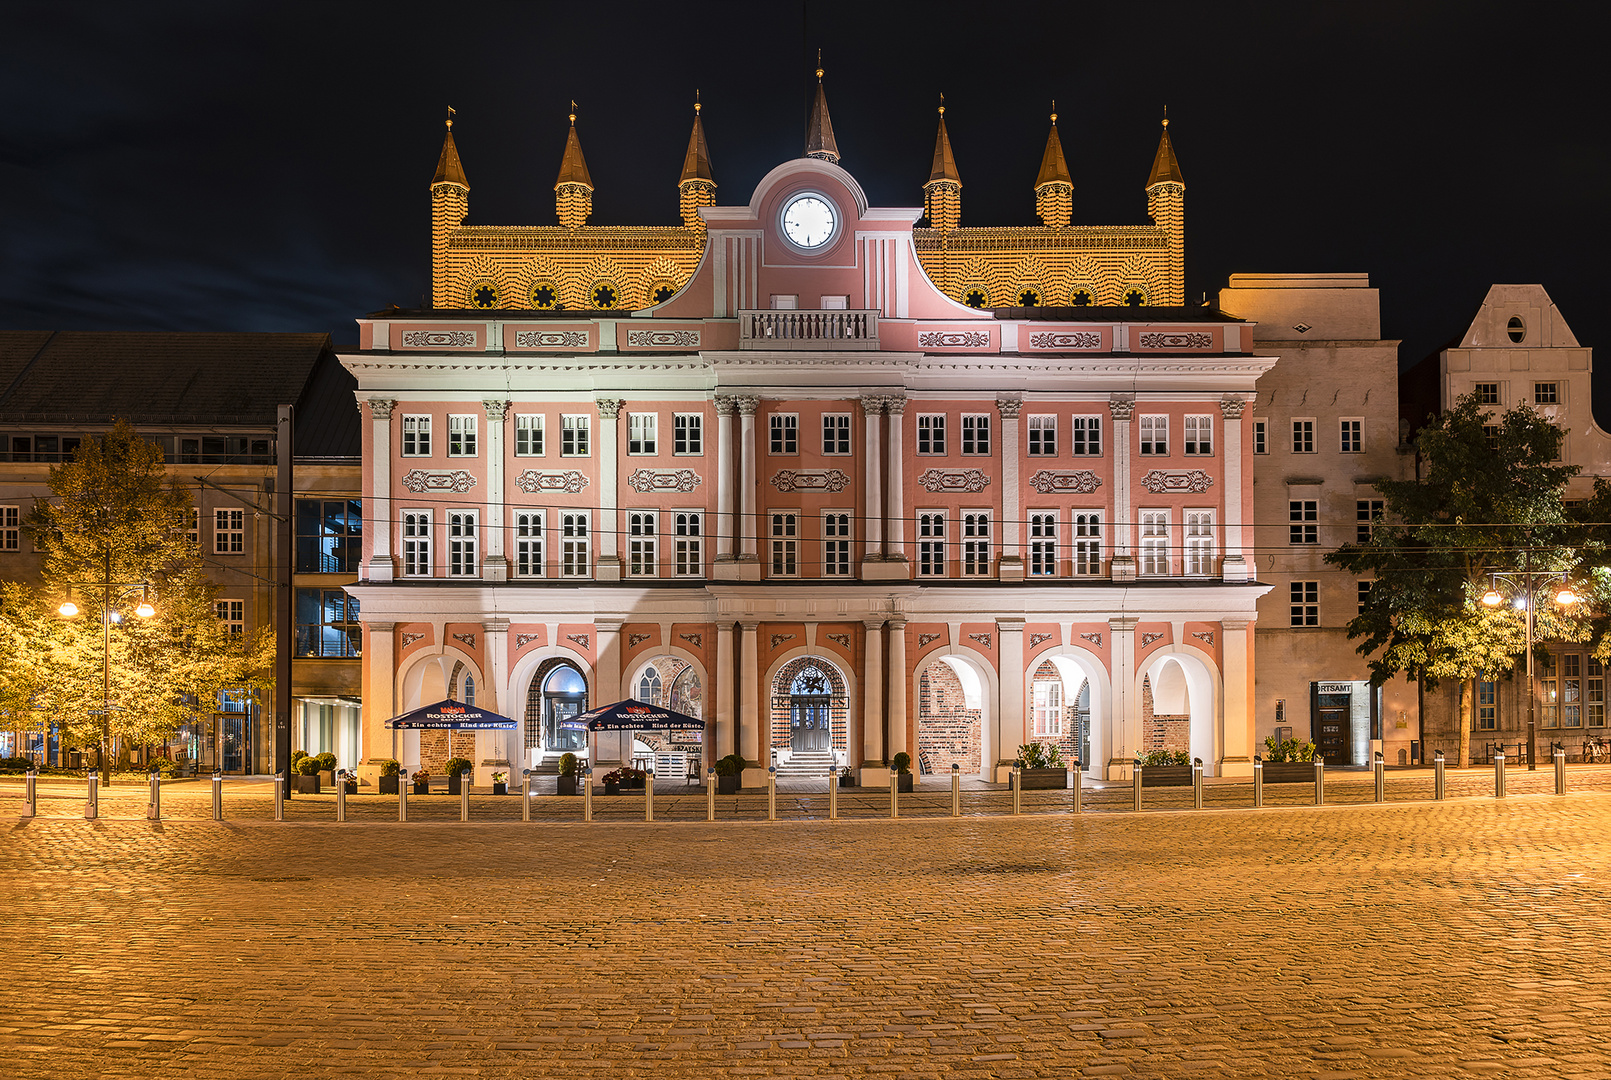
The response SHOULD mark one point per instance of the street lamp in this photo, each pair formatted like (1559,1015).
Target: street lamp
(1526,584)
(68,610)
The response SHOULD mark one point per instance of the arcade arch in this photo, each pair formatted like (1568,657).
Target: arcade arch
(1184,682)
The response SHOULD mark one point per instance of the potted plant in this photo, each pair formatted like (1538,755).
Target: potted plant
(457,767)
(388,776)
(633,778)
(903,771)
(1165,768)
(500,783)
(422,781)
(847,777)
(307,776)
(1289,761)
(327,767)
(612,782)
(729,775)
(1041,766)
(350,781)
(567,774)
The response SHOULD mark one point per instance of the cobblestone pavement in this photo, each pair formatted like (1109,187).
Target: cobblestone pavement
(1463,938)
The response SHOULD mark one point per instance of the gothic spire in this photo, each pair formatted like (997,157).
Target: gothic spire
(1165,169)
(819,131)
(448,168)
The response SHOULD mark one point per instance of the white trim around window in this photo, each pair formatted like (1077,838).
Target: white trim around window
(529,435)
(688,434)
(416,545)
(1199,440)
(1154,543)
(643,543)
(529,537)
(416,436)
(976,433)
(643,433)
(689,541)
(784,537)
(835,434)
(575,430)
(574,544)
(463,544)
(931,543)
(461,435)
(931,433)
(229,532)
(836,541)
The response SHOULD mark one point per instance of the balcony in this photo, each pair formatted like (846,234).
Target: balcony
(813,330)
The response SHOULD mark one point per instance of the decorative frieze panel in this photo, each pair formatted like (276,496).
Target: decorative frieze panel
(532,481)
(829,480)
(647,480)
(581,639)
(1094,639)
(972,480)
(420,481)
(1155,339)
(696,640)
(439,339)
(924,639)
(1205,636)
(409,639)
(1193,482)
(634,640)
(550,339)
(987,640)
(1072,482)
(843,640)
(1073,339)
(1036,639)
(1149,637)
(467,640)
(522,640)
(779,639)
(963,339)
(663,339)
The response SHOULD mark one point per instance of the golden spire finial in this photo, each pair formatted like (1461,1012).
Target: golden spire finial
(1166,116)
(819,65)
(1054,111)
(696,101)
(942,103)
(573,113)
(450,118)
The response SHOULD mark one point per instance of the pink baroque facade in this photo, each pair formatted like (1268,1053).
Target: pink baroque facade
(809,496)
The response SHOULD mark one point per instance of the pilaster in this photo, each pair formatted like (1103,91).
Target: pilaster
(378,504)
(1124,730)
(724,477)
(608,567)
(898,720)
(895,502)
(747,481)
(1236,721)
(1122,408)
(378,679)
(1010,676)
(872,690)
(1234,566)
(1011,567)
(495,564)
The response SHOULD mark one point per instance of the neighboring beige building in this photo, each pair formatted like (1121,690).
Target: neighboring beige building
(1325,429)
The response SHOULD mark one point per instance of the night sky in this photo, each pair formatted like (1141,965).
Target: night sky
(233,166)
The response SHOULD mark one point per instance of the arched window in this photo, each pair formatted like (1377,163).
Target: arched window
(469,691)
(649,686)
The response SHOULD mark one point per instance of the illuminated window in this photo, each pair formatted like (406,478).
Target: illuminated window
(1199,435)
(1155,435)
(416,436)
(1199,542)
(642,432)
(573,435)
(1048,707)
(1042,543)
(1087,548)
(1155,542)
(461,436)
(529,435)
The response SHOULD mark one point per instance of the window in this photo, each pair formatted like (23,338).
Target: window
(529,543)
(234,701)
(416,436)
(785,545)
(1261,436)
(329,536)
(461,436)
(1364,594)
(1572,690)
(690,543)
(1085,435)
(649,686)
(1087,542)
(1487,393)
(930,434)
(1042,544)
(836,544)
(642,430)
(642,544)
(1550,688)
(232,613)
(1305,603)
(10,528)
(1487,705)
(1199,435)
(1303,436)
(461,544)
(573,432)
(688,433)
(975,434)
(1199,542)
(1043,436)
(229,532)
(931,544)
(416,543)
(327,624)
(529,435)
(1280,710)
(193,534)
(975,543)
(1303,517)
(1544,393)
(1351,436)
(573,544)
(1154,541)
(201,449)
(1594,694)
(785,428)
(1516,329)
(836,433)
(1048,705)
(1367,513)
(1155,435)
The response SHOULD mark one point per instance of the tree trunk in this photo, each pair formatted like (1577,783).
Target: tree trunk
(1466,691)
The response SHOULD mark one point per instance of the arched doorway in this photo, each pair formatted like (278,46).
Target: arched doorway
(557,692)
(670,682)
(809,710)
(1179,700)
(1060,710)
(950,717)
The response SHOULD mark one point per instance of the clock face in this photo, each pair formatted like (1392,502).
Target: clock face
(809,221)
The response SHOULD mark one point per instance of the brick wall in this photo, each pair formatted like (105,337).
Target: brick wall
(1161,732)
(948,732)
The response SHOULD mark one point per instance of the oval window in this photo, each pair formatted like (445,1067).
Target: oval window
(1516,329)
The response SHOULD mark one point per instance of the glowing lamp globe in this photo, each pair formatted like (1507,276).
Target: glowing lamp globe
(68,609)
(145,610)
(1566,597)
(1492,598)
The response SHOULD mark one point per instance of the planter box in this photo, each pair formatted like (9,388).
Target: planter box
(388,784)
(500,789)
(612,789)
(566,785)
(1166,776)
(454,784)
(903,782)
(352,786)
(847,779)
(1289,772)
(327,776)
(727,785)
(1042,779)
(422,789)
(307,785)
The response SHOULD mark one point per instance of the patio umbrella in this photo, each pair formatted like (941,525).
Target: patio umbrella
(634,715)
(452,715)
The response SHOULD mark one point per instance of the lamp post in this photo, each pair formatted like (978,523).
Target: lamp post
(1526,583)
(144,610)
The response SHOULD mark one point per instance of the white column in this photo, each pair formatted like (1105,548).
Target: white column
(608,566)
(607,684)
(495,565)
(897,687)
(1124,726)
(723,741)
(1234,567)
(1236,722)
(498,750)
(1012,509)
(378,679)
(1011,678)
(725,531)
(749,697)
(874,513)
(1122,528)
(747,477)
(377,500)
(872,691)
(895,528)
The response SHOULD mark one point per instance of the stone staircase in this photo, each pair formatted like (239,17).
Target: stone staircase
(807,765)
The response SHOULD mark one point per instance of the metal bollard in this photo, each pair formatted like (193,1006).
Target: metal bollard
(92,803)
(1258,780)
(341,795)
(281,782)
(1077,782)
(833,793)
(525,795)
(153,809)
(1320,781)
(30,793)
(1136,798)
(1437,776)
(956,790)
(648,795)
(1197,783)
(1380,768)
(1017,791)
(1560,769)
(402,795)
(218,797)
(710,793)
(1499,774)
(587,793)
(894,783)
(464,796)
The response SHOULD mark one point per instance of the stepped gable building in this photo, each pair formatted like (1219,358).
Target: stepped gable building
(811,496)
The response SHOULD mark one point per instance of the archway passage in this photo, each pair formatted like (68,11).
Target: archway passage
(810,711)
(1179,692)
(950,719)
(557,692)
(1060,711)
(670,682)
